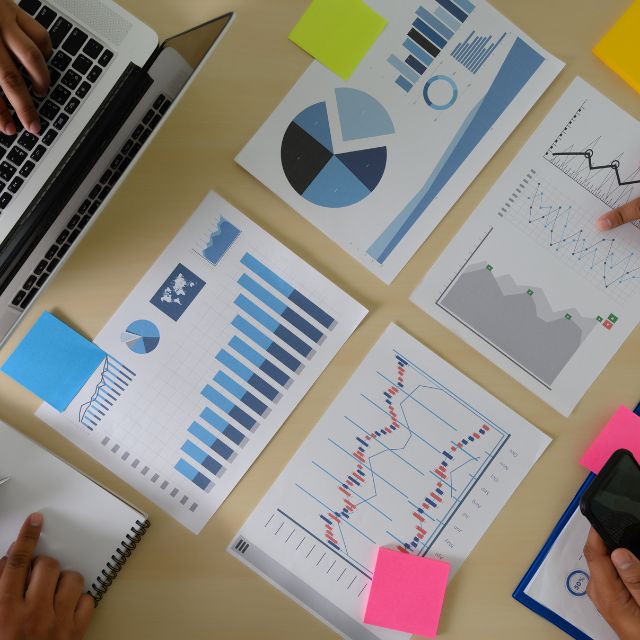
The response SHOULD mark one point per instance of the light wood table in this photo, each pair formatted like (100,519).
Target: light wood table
(187,587)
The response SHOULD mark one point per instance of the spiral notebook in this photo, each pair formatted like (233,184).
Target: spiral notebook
(86,528)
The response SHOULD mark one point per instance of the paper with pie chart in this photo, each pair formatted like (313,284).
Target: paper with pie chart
(376,163)
(206,359)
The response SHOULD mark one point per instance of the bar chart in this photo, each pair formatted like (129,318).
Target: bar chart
(279,338)
(429,35)
(475,51)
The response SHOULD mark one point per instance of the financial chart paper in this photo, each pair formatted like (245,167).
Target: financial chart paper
(413,456)
(376,162)
(529,281)
(206,358)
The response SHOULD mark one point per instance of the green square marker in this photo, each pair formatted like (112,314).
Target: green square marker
(600,319)
(568,316)
(530,292)
(338,33)
(489,267)
(613,318)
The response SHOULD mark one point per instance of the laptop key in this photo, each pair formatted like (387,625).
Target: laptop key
(53,249)
(105,58)
(60,61)
(46,16)
(74,221)
(31,280)
(83,89)
(62,237)
(94,74)
(60,94)
(137,132)
(75,41)
(71,79)
(30,6)
(28,298)
(17,155)
(54,74)
(72,105)
(27,140)
(42,279)
(27,168)
(5,140)
(49,137)
(7,171)
(82,64)
(19,298)
(165,107)
(38,152)
(15,185)
(63,250)
(74,235)
(58,31)
(61,120)
(53,264)
(92,49)
(49,110)
(5,199)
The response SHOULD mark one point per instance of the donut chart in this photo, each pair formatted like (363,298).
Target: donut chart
(329,179)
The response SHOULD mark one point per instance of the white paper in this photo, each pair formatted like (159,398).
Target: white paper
(529,281)
(409,162)
(560,583)
(185,409)
(84,525)
(428,473)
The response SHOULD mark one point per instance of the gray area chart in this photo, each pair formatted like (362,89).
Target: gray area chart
(517,320)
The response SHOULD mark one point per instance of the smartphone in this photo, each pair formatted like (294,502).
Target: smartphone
(612,502)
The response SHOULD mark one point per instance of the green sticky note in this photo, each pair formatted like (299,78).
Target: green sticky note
(338,33)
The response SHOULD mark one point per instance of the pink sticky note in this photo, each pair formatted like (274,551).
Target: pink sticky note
(621,432)
(407,593)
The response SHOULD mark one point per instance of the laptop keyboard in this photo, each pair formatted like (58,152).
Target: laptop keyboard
(91,204)
(77,63)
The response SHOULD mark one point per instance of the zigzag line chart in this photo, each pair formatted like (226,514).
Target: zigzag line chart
(405,478)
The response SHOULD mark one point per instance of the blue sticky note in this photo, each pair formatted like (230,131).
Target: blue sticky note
(53,361)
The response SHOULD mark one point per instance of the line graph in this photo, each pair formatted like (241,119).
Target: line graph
(605,177)
(550,218)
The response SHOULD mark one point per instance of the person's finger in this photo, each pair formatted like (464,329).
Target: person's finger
(84,613)
(43,582)
(628,567)
(7,125)
(3,564)
(16,92)
(15,573)
(621,215)
(25,50)
(70,588)
(38,34)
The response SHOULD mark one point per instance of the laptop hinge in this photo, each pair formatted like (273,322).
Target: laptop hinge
(72,171)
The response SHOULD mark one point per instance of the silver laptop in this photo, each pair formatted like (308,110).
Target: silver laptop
(112,85)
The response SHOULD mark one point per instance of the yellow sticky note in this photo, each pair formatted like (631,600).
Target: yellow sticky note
(619,48)
(338,33)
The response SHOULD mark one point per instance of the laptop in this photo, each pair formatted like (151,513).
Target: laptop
(112,85)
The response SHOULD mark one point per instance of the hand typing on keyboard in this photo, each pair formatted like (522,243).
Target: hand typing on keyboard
(24,42)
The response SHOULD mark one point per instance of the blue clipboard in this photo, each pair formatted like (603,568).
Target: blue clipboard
(519,593)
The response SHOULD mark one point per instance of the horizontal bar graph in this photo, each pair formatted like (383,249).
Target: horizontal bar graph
(429,34)
(275,328)
(475,51)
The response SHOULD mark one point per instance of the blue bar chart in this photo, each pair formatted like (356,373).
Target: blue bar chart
(275,330)
(475,51)
(429,35)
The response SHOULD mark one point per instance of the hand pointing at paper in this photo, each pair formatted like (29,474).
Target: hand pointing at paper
(614,586)
(627,213)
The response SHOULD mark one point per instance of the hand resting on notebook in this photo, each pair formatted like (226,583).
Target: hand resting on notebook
(614,586)
(23,41)
(626,213)
(37,600)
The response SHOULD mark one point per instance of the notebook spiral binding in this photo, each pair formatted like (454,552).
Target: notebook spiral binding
(118,560)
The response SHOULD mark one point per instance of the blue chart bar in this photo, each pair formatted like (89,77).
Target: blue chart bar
(255,381)
(418,52)
(289,292)
(433,21)
(267,344)
(279,330)
(229,408)
(454,9)
(215,444)
(472,54)
(199,479)
(280,308)
(223,427)
(241,393)
(203,458)
(267,367)
(416,64)
(433,35)
(447,18)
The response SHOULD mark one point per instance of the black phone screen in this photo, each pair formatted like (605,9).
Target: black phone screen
(616,505)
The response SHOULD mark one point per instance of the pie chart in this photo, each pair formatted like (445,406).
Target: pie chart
(319,174)
(141,337)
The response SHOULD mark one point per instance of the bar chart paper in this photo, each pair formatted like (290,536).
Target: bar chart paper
(412,456)
(206,359)
(377,162)
(529,281)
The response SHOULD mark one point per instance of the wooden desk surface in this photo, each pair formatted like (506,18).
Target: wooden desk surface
(182,586)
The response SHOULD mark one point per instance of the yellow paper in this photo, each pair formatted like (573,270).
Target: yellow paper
(338,33)
(619,48)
